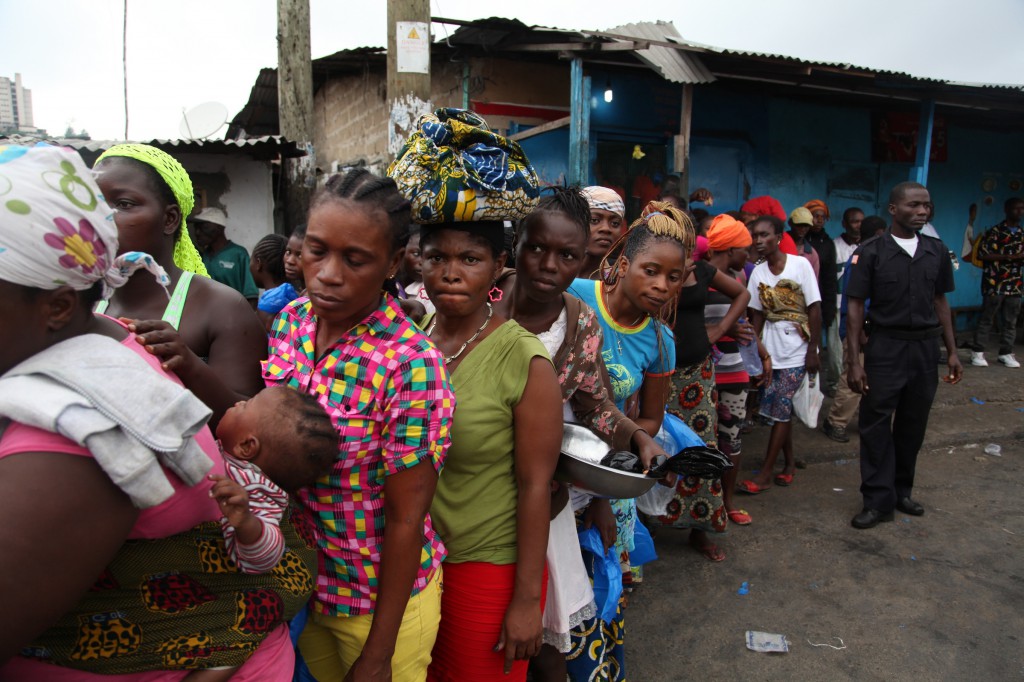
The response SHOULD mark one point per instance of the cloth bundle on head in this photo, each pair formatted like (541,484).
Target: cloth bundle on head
(765,205)
(726,233)
(818,205)
(176,178)
(605,199)
(55,228)
(454,169)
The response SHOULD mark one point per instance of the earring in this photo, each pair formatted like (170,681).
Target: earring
(495,294)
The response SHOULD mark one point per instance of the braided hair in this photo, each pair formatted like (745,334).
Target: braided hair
(658,222)
(566,200)
(307,431)
(360,186)
(269,251)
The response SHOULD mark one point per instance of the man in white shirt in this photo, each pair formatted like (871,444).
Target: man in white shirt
(847,243)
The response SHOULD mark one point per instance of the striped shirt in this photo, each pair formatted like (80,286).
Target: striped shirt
(729,367)
(267,503)
(387,391)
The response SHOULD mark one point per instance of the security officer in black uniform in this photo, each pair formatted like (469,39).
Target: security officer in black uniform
(904,276)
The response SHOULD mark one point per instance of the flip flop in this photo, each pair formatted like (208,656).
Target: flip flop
(751,488)
(784,480)
(740,517)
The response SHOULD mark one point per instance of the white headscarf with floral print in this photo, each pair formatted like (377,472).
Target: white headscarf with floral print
(55,228)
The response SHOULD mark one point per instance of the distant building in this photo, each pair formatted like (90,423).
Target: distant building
(15,106)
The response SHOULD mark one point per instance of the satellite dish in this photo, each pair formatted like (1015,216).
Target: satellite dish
(203,120)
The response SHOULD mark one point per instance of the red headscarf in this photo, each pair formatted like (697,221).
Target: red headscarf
(765,205)
(817,205)
(787,245)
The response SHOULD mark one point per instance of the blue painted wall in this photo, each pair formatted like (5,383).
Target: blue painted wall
(745,144)
(791,148)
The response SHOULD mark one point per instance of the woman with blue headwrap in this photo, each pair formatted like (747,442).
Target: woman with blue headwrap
(152,196)
(100,447)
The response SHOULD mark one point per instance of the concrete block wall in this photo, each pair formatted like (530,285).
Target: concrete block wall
(350,115)
(350,121)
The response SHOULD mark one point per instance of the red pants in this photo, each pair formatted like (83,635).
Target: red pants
(474,599)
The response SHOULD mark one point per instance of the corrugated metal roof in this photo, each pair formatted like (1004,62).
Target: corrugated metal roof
(674,65)
(268,143)
(843,66)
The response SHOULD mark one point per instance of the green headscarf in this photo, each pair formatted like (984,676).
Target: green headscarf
(174,174)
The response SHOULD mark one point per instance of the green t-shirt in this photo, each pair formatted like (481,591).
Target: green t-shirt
(474,508)
(230,266)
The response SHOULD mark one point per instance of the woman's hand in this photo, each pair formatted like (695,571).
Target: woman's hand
(162,340)
(559,498)
(521,631)
(811,360)
(743,332)
(766,372)
(600,515)
(650,452)
(369,669)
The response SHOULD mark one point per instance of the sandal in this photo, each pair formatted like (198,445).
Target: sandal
(751,488)
(784,480)
(740,517)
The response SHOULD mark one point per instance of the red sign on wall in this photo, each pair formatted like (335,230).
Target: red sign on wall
(894,138)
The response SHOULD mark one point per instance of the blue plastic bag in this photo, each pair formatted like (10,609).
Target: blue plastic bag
(295,628)
(607,573)
(643,547)
(675,436)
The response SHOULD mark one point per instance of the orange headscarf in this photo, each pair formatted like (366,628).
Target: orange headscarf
(817,205)
(726,232)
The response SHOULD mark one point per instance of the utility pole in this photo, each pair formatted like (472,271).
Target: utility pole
(295,106)
(408,68)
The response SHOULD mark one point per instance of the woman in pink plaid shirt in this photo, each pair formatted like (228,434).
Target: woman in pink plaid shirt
(376,608)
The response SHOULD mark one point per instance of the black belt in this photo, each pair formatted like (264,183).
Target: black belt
(907,333)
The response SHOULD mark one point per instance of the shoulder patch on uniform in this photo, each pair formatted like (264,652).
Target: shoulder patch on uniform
(854,259)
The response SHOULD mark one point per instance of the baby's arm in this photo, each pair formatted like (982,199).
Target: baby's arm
(252,536)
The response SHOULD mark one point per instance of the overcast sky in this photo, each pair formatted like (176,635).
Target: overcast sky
(185,52)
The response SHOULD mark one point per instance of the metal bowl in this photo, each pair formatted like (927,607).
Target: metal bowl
(578,465)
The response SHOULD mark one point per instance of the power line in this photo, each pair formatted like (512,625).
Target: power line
(124,65)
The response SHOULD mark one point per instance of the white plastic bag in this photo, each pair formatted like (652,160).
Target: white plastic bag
(807,400)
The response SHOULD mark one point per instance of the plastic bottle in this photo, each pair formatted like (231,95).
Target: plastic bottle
(751,359)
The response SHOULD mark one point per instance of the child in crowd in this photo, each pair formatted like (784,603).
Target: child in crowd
(410,273)
(293,259)
(267,266)
(279,440)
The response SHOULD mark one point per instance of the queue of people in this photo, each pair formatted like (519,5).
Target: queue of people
(369,456)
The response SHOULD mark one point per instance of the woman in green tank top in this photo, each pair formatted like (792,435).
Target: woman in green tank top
(208,333)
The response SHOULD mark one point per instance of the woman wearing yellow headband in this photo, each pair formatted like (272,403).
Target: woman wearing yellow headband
(152,195)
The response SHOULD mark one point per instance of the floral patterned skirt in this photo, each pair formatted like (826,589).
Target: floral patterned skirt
(697,502)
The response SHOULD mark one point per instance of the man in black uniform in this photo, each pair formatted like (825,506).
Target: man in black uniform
(906,277)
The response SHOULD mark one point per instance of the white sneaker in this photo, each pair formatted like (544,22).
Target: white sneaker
(978,359)
(1009,360)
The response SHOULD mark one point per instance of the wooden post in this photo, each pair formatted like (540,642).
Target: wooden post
(681,149)
(295,106)
(579,125)
(919,171)
(408,88)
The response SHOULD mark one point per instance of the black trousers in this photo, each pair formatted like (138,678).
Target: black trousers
(902,378)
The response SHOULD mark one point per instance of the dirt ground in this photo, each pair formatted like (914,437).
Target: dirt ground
(938,597)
